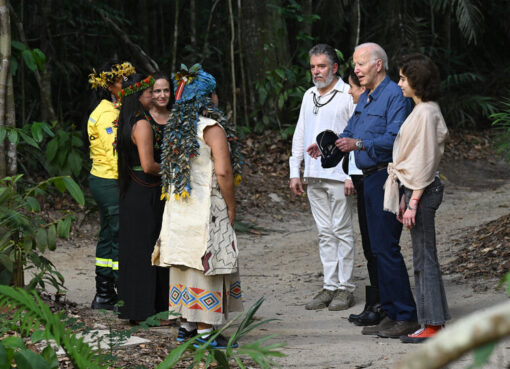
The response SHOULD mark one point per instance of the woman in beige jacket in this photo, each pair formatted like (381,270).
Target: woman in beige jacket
(416,154)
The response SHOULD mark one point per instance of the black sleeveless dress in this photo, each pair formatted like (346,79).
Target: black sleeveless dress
(142,287)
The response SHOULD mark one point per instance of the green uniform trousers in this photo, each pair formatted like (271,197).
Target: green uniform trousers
(106,193)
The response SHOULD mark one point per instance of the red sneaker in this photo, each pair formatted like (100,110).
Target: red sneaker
(421,334)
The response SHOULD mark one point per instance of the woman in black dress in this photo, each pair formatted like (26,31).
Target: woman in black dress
(142,287)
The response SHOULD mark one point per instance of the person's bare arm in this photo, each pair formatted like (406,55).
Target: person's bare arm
(349,187)
(409,216)
(142,137)
(215,137)
(296,186)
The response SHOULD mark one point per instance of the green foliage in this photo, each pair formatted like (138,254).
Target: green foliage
(34,59)
(28,314)
(259,351)
(467,13)
(482,355)
(63,148)
(460,103)
(25,233)
(28,309)
(63,152)
(501,121)
(506,280)
(281,91)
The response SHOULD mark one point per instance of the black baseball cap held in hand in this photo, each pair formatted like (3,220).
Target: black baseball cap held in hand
(330,154)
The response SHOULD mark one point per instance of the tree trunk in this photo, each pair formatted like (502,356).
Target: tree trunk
(193,24)
(10,117)
(264,37)
(206,38)
(43,79)
(265,40)
(47,111)
(176,36)
(307,26)
(5,55)
(244,91)
(232,62)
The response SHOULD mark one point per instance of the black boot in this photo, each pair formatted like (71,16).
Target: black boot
(372,313)
(106,296)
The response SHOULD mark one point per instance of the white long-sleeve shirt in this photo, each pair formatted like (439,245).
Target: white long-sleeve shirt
(332,116)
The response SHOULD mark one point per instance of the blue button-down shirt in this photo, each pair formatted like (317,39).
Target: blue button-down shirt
(376,120)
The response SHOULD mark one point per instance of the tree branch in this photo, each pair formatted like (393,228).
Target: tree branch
(469,333)
(141,57)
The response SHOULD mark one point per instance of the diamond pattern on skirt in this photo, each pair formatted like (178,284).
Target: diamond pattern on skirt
(195,298)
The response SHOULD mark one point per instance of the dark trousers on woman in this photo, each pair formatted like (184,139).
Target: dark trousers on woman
(142,287)
(357,180)
(429,289)
(384,232)
(106,193)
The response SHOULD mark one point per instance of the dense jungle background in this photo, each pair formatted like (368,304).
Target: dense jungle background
(257,50)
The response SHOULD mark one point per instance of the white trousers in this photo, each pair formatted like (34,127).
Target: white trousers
(332,211)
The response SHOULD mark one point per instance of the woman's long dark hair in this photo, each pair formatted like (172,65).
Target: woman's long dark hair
(130,112)
(98,94)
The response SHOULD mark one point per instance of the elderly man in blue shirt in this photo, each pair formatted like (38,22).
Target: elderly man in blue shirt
(370,133)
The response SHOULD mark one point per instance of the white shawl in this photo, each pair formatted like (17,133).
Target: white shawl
(417,151)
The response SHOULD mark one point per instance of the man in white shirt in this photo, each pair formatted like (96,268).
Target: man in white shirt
(325,106)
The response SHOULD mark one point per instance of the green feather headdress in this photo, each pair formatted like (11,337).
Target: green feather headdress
(180,143)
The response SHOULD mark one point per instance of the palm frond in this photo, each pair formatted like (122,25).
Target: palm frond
(467,14)
(470,19)
(32,312)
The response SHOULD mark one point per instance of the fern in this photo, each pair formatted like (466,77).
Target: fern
(468,16)
(31,312)
(28,309)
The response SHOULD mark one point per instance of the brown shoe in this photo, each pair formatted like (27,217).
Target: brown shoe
(400,328)
(373,330)
(321,300)
(343,300)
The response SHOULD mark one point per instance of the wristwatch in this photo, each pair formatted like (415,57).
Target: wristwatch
(359,145)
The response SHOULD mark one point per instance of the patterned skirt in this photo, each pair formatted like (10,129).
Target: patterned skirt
(204,299)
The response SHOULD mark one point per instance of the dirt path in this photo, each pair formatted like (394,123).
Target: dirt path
(284,267)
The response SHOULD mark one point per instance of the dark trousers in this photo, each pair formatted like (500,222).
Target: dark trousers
(430,294)
(384,232)
(106,193)
(357,180)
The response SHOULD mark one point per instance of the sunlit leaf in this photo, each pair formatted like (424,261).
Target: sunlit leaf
(13,136)
(51,149)
(28,57)
(33,203)
(52,237)
(74,190)
(41,239)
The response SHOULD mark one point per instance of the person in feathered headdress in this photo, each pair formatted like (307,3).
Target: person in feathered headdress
(200,159)
(106,83)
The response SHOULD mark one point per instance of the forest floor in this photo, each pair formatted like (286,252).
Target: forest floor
(280,261)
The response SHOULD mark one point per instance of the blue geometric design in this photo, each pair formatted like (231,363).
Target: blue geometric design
(187,297)
(235,290)
(209,301)
(175,295)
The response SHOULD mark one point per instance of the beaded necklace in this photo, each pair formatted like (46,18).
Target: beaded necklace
(319,105)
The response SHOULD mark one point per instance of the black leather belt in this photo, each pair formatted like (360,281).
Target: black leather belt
(372,170)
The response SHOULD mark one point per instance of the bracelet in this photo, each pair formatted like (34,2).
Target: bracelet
(417,200)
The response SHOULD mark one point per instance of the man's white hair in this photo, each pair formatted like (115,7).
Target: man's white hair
(377,52)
